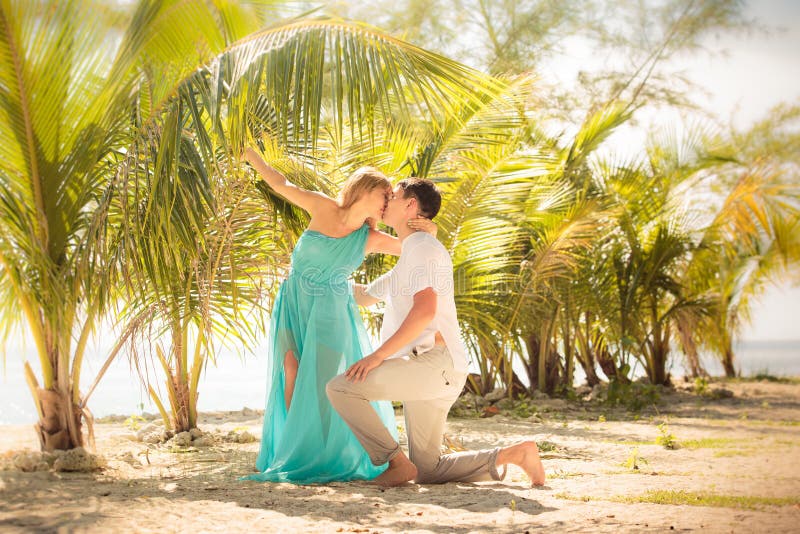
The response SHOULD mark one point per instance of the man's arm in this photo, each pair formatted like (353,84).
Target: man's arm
(422,313)
(362,297)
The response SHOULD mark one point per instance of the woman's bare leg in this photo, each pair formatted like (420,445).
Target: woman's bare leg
(290,366)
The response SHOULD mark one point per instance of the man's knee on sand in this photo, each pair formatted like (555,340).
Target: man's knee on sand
(426,465)
(425,477)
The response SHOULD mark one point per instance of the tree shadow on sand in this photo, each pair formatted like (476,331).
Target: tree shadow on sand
(93,500)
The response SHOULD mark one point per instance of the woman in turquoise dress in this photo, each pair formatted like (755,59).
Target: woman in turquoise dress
(316,332)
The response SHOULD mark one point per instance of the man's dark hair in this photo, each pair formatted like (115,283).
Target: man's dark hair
(428,196)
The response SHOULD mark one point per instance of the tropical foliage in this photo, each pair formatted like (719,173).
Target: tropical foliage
(123,198)
(138,203)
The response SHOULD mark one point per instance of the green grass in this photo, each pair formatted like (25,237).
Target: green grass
(570,497)
(633,460)
(691,444)
(691,498)
(751,422)
(546,446)
(733,452)
(707,443)
(665,439)
(787,423)
(630,443)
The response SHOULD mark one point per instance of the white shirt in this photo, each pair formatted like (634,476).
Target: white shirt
(423,263)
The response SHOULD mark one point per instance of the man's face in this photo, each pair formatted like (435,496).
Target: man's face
(396,207)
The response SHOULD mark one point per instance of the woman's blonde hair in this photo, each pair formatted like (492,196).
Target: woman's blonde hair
(363,181)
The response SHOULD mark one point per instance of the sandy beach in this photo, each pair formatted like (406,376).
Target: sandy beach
(735,468)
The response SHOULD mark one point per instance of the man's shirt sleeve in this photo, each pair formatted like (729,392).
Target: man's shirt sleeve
(428,266)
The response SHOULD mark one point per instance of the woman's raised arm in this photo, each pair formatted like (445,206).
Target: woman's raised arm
(308,200)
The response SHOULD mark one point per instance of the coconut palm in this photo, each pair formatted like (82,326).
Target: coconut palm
(73,100)
(640,289)
(81,101)
(509,218)
(751,242)
(68,78)
(294,90)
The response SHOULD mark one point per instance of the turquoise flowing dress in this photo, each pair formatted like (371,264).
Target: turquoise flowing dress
(316,317)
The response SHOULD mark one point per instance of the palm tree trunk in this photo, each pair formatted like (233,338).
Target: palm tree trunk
(60,414)
(657,348)
(569,363)
(690,350)
(609,367)
(494,366)
(512,382)
(657,359)
(727,362)
(181,411)
(587,364)
(59,426)
(541,356)
(584,353)
(544,369)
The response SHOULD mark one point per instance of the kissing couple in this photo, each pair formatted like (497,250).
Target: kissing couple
(328,413)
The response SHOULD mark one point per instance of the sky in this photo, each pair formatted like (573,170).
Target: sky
(761,70)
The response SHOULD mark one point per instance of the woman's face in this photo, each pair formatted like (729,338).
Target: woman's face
(376,200)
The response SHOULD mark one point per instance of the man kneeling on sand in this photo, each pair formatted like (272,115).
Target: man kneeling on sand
(421,361)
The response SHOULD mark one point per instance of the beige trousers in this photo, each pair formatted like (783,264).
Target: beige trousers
(428,386)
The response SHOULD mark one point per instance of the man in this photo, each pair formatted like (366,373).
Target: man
(421,361)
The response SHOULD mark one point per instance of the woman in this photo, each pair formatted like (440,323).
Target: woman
(316,331)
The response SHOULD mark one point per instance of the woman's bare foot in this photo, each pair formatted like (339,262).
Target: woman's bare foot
(400,471)
(526,456)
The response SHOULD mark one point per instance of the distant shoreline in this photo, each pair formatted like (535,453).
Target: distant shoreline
(768,343)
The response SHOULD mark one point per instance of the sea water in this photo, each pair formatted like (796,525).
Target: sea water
(239,380)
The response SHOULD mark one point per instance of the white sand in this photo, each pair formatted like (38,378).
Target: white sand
(751,448)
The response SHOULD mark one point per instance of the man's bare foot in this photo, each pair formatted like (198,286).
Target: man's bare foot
(400,471)
(526,456)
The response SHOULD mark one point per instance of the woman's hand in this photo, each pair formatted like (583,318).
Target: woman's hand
(424,225)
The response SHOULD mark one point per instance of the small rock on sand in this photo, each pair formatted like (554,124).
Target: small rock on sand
(79,459)
(182,439)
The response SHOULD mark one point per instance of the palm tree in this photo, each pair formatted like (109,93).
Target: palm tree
(751,241)
(509,218)
(294,89)
(81,100)
(71,76)
(65,98)
(640,293)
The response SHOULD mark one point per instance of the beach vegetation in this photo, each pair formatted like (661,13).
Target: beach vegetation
(634,460)
(665,438)
(124,200)
(691,498)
